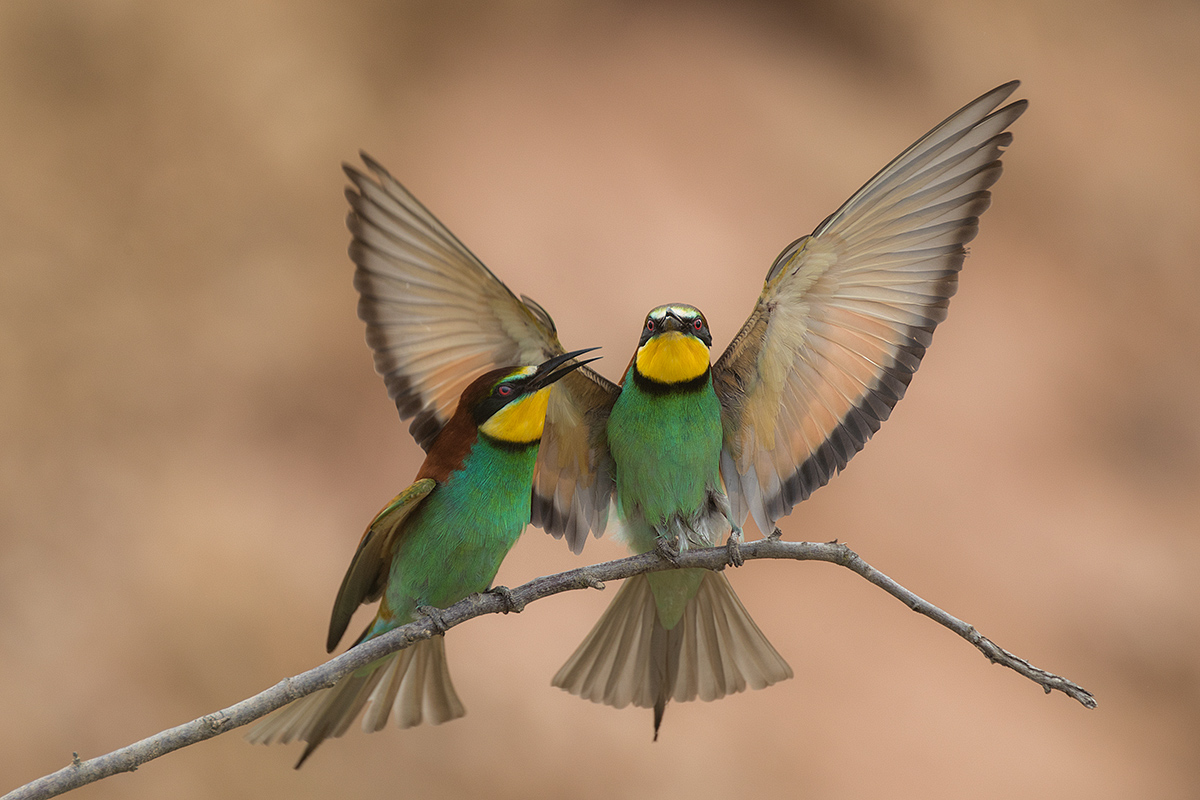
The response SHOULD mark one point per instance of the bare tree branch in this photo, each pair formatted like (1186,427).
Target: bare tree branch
(80,773)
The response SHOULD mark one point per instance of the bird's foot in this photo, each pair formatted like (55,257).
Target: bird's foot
(734,547)
(776,535)
(511,603)
(435,618)
(668,549)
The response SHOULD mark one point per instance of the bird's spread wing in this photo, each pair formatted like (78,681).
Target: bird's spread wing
(368,571)
(846,314)
(437,318)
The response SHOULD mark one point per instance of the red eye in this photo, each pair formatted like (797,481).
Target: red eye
(504,390)
(649,324)
(698,324)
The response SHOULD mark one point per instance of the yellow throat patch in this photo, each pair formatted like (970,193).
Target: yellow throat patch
(672,357)
(521,421)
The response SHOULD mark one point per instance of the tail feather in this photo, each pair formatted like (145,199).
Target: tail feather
(383,696)
(666,648)
(629,657)
(426,693)
(611,665)
(628,640)
(724,650)
(413,685)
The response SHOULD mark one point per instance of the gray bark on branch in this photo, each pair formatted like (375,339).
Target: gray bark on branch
(79,773)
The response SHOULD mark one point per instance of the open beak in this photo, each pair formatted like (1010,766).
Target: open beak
(552,369)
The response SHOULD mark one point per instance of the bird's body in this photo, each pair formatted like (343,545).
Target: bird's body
(460,534)
(684,448)
(664,436)
(671,498)
(435,543)
(666,444)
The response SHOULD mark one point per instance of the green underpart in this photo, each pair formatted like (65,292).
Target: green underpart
(454,542)
(666,447)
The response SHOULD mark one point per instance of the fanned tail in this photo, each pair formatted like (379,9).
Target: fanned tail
(629,657)
(413,685)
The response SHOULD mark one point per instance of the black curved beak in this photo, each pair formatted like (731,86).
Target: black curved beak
(552,370)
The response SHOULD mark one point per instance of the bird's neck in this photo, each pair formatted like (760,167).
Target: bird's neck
(655,388)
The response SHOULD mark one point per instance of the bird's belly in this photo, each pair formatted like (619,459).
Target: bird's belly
(666,451)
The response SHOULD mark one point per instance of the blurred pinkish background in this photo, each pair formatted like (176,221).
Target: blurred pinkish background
(192,437)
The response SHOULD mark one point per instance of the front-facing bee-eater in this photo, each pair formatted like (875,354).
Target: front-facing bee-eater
(681,634)
(684,448)
(436,542)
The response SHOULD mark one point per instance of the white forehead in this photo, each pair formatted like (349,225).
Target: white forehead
(523,372)
(676,310)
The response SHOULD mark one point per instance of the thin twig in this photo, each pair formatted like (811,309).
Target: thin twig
(79,773)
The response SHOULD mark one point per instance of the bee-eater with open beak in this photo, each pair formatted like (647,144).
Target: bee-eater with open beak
(436,542)
(685,449)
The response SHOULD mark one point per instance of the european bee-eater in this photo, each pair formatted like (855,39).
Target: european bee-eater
(436,542)
(683,447)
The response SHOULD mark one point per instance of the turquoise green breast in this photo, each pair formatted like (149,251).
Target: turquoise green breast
(457,538)
(666,448)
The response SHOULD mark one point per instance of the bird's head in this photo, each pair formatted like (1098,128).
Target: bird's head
(509,404)
(674,345)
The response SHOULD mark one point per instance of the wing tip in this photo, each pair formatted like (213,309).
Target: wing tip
(373,164)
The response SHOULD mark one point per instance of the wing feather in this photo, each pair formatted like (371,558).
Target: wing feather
(437,318)
(368,570)
(847,313)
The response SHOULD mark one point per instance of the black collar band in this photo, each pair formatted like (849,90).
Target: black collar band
(651,386)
